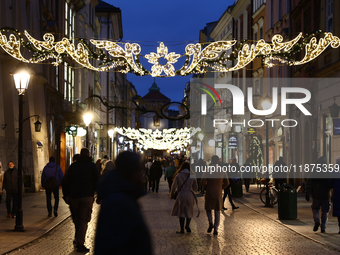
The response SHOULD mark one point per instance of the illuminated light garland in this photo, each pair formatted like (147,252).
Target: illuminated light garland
(160,140)
(314,49)
(208,53)
(162,52)
(197,59)
(12,47)
(116,51)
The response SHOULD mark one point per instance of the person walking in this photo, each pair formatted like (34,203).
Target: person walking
(334,183)
(318,188)
(11,186)
(232,181)
(78,188)
(184,204)
(246,174)
(213,196)
(156,174)
(148,166)
(121,228)
(277,175)
(1,181)
(169,174)
(52,169)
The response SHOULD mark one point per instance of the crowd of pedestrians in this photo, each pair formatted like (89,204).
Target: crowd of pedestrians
(117,185)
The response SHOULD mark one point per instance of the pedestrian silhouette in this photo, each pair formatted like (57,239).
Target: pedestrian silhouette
(121,228)
(11,187)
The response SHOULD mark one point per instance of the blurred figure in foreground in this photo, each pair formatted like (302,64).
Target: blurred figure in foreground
(121,228)
(318,188)
(334,183)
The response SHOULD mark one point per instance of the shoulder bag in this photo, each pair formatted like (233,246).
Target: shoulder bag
(177,191)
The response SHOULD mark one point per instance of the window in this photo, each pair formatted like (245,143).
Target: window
(69,22)
(271,13)
(261,32)
(279,10)
(329,15)
(57,78)
(68,83)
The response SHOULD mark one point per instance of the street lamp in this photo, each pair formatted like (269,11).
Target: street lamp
(201,137)
(266,105)
(110,133)
(87,120)
(21,76)
(222,128)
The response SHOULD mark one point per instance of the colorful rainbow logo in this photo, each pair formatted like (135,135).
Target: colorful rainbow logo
(209,93)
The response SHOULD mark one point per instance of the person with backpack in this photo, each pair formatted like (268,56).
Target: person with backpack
(52,170)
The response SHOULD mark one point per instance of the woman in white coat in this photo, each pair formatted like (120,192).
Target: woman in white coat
(186,199)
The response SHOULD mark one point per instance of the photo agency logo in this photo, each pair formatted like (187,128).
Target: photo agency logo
(238,105)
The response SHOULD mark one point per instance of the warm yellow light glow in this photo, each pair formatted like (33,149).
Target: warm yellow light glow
(111,133)
(87,118)
(167,139)
(198,60)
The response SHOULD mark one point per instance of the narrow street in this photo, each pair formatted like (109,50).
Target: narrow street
(243,231)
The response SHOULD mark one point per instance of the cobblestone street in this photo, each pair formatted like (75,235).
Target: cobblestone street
(243,231)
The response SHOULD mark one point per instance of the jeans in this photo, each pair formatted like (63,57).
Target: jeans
(217,218)
(170,182)
(9,197)
(49,197)
(155,185)
(325,206)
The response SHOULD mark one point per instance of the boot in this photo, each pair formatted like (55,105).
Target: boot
(181,223)
(211,226)
(187,225)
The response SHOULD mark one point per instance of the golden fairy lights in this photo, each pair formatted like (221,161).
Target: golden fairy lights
(198,58)
(158,68)
(167,139)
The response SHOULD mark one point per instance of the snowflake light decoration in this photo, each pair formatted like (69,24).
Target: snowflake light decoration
(162,52)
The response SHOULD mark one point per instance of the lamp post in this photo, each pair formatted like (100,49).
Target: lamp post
(110,133)
(266,104)
(21,76)
(222,128)
(87,120)
(201,137)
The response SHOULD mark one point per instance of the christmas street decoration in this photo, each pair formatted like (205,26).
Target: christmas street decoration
(126,57)
(167,139)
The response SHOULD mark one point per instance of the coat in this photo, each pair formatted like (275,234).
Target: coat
(334,183)
(213,194)
(81,179)
(156,170)
(50,170)
(186,199)
(121,228)
(11,180)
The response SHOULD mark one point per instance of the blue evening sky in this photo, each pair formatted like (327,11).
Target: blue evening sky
(174,22)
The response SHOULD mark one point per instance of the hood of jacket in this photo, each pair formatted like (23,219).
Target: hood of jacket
(113,182)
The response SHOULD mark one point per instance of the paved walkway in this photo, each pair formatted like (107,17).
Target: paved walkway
(252,229)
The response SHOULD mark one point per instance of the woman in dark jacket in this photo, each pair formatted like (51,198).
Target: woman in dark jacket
(155,174)
(121,228)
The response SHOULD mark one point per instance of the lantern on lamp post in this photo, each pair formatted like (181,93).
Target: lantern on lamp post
(87,120)
(21,76)
(266,105)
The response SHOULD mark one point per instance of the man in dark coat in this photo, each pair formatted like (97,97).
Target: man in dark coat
(11,187)
(318,188)
(50,170)
(155,174)
(78,188)
(121,228)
